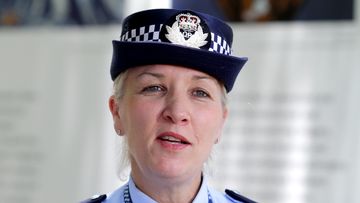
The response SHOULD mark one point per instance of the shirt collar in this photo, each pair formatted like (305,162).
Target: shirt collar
(138,196)
(203,194)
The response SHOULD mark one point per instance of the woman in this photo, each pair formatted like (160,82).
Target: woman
(171,70)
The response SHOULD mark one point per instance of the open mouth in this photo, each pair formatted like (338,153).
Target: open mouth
(173,138)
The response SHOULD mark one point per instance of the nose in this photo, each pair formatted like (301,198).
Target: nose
(177,110)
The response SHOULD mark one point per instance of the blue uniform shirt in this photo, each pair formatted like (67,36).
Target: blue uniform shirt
(205,193)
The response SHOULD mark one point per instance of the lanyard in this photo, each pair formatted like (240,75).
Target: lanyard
(127,196)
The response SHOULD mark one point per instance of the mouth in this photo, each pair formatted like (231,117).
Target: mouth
(173,138)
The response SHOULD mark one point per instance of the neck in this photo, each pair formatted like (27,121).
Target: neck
(168,190)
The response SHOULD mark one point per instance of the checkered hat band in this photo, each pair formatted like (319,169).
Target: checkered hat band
(143,34)
(152,33)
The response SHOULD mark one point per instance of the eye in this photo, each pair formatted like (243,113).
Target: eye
(153,89)
(200,93)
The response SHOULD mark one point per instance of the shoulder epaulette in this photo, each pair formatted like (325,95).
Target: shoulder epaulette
(95,199)
(238,197)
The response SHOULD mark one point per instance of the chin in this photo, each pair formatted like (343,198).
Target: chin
(172,169)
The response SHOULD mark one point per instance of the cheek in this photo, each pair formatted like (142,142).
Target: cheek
(209,125)
(141,115)
(208,129)
(139,120)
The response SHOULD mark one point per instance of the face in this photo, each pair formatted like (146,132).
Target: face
(172,116)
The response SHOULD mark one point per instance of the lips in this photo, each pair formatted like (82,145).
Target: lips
(173,138)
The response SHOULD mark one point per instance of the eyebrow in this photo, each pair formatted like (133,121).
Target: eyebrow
(159,75)
(200,77)
(156,75)
(204,77)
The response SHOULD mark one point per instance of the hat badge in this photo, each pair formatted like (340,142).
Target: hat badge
(187,31)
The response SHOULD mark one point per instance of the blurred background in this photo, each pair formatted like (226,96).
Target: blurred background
(293,131)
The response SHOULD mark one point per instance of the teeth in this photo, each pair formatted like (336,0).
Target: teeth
(170,138)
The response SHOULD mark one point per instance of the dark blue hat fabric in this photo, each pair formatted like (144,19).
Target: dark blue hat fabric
(177,37)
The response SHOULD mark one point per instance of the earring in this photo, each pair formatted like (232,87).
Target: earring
(119,132)
(217,140)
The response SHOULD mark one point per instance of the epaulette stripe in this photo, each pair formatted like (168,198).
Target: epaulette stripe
(238,197)
(95,199)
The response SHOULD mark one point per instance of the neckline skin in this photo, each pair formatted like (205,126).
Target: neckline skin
(201,195)
(168,191)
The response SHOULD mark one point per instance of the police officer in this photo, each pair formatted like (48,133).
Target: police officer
(172,70)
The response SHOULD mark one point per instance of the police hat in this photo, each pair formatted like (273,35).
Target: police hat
(177,37)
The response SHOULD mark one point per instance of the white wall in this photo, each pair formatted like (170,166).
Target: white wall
(293,133)
(134,6)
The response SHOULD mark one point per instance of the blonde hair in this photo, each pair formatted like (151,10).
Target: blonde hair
(122,147)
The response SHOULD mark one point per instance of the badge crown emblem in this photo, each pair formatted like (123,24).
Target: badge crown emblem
(188,22)
(187,31)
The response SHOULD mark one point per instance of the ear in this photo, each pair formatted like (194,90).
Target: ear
(114,109)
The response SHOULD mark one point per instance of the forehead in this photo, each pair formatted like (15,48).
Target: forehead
(163,71)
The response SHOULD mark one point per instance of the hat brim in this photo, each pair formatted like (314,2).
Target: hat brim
(224,68)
